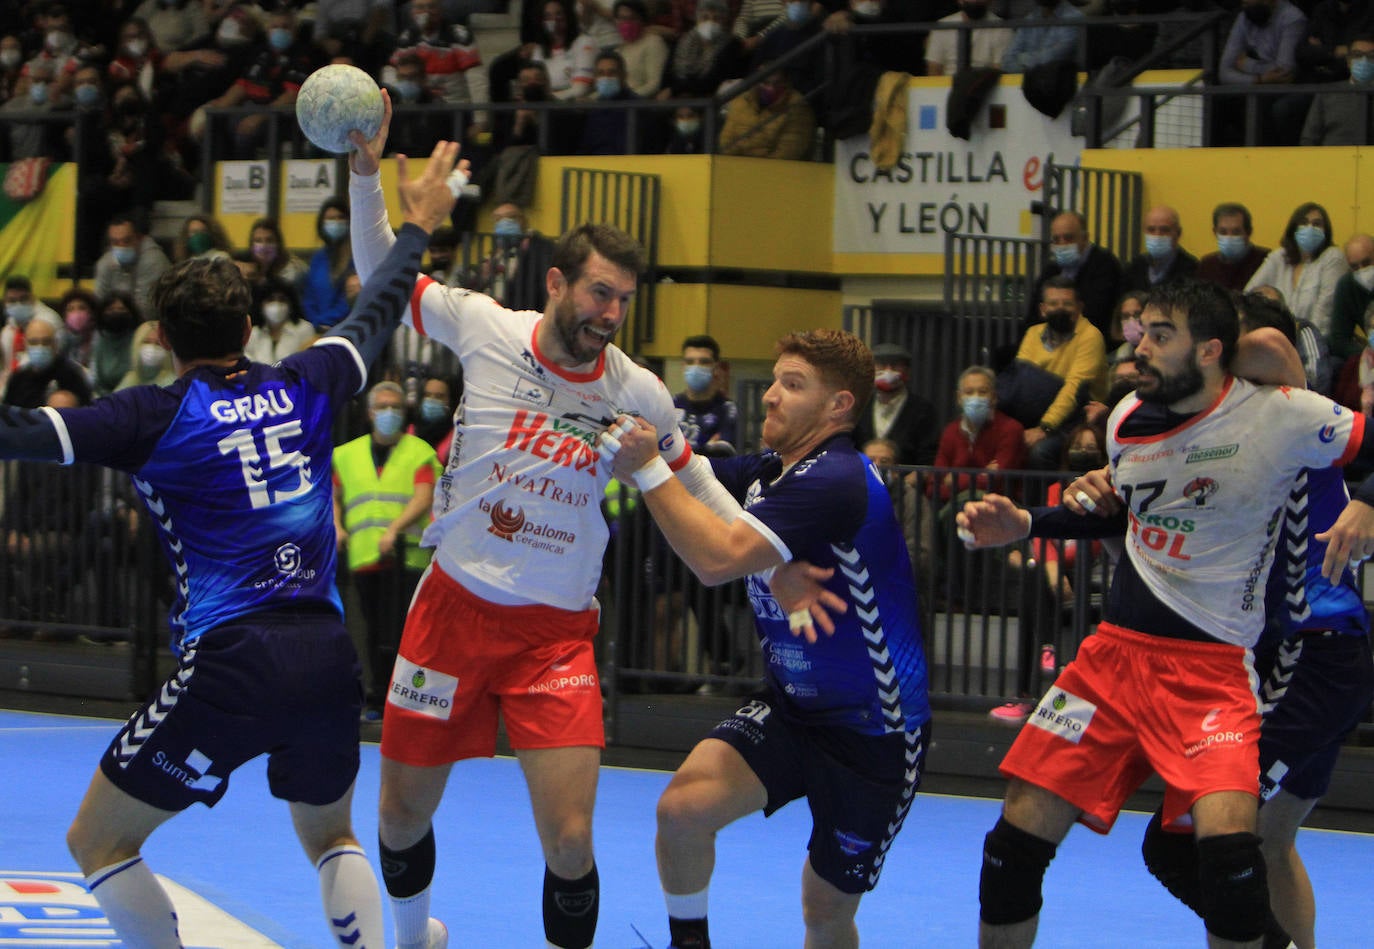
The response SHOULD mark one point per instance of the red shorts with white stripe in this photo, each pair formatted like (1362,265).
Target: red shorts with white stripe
(464,661)
(1131,704)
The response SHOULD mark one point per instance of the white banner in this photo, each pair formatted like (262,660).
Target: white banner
(984,185)
(243,187)
(307,184)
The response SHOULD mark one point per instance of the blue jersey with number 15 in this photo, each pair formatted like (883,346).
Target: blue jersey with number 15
(233,465)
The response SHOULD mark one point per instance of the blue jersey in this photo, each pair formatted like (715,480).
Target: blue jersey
(233,465)
(832,510)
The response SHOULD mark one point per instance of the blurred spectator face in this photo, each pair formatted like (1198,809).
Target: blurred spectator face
(11,53)
(133,41)
(1065,231)
(880,454)
(425,15)
(58,37)
(78,316)
(124,243)
(609,76)
(19,306)
(555,20)
(533,84)
(628,23)
(1231,225)
(264,245)
(86,88)
(508,221)
(773,89)
(411,69)
(40,333)
(281,29)
(687,122)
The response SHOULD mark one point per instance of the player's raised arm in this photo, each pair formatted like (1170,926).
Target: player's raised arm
(29,435)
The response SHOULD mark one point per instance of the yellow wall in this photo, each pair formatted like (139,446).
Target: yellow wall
(746,321)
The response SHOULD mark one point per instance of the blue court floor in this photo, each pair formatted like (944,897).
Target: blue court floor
(244,882)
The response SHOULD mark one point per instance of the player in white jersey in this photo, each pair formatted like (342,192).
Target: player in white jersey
(1204,463)
(502,623)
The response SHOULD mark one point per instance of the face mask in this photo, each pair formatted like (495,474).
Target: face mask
(433,410)
(229,32)
(422,20)
(1060,321)
(607,87)
(59,41)
(388,422)
(265,253)
(78,321)
(1084,460)
(1232,246)
(1065,255)
(1365,278)
(508,227)
(698,377)
(335,230)
(19,313)
(1362,70)
(976,408)
(551,27)
(708,30)
(198,242)
(1132,331)
(868,8)
(409,89)
(150,357)
(117,322)
(10,58)
(798,12)
(275,312)
(629,30)
(1158,246)
(1309,238)
(767,96)
(887,380)
(124,256)
(40,357)
(280,39)
(1258,15)
(87,96)
(38,93)
(136,48)
(688,127)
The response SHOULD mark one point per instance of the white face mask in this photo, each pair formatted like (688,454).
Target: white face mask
(151,355)
(1365,277)
(10,58)
(708,30)
(276,312)
(136,47)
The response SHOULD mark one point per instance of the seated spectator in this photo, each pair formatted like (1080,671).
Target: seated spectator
(1351,300)
(1261,48)
(31,94)
(1338,117)
(151,364)
(1060,366)
(268,247)
(61,53)
(1236,259)
(514,273)
(131,265)
(1122,378)
(78,307)
(597,19)
(280,328)
(21,306)
(645,53)
(798,22)
(112,348)
(987,47)
(322,295)
(1305,267)
(1094,270)
(686,136)
(45,366)
(203,236)
(1031,46)
(606,131)
(413,133)
(771,120)
(173,24)
(434,416)
(11,63)
(568,53)
(441,266)
(981,437)
(706,414)
(897,411)
(361,31)
(204,69)
(452,62)
(705,57)
(1126,329)
(1163,261)
(137,59)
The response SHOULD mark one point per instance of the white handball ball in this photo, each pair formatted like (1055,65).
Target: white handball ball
(333,101)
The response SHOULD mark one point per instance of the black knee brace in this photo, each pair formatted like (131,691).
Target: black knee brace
(1234,887)
(571,908)
(1172,859)
(1014,864)
(409,870)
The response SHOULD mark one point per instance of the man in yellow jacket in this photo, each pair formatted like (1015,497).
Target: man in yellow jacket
(383,490)
(771,120)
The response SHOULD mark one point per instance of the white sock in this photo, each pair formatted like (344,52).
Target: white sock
(352,900)
(412,920)
(135,904)
(687,905)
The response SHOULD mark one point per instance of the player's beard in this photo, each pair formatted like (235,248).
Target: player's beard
(581,346)
(1169,389)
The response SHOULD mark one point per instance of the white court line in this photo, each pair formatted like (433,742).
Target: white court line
(54,728)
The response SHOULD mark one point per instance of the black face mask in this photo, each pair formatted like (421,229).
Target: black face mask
(975,11)
(534,93)
(1084,460)
(1258,15)
(117,323)
(1060,321)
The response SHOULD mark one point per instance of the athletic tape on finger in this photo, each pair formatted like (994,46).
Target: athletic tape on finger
(1087,503)
(799,619)
(966,535)
(456,182)
(609,444)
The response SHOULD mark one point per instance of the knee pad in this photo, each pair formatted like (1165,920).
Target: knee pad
(1234,886)
(409,870)
(571,908)
(1172,860)
(1014,864)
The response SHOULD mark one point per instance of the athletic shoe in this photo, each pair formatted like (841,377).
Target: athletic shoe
(1047,659)
(437,934)
(1013,713)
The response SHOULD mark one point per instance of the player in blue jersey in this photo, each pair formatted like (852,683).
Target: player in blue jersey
(233,463)
(846,721)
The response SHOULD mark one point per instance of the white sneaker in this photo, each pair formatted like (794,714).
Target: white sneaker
(437,935)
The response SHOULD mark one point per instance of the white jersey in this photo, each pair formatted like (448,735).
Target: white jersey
(1205,499)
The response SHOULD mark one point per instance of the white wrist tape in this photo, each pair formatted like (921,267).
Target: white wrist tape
(652,475)
(456,182)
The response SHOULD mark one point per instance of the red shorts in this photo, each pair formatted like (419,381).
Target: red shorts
(464,661)
(1132,704)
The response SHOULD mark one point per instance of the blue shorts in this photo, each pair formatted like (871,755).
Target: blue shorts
(1319,687)
(288,685)
(859,787)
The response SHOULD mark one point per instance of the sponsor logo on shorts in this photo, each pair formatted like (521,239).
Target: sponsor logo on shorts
(422,690)
(1218,739)
(1064,714)
(191,772)
(562,683)
(851,844)
(1210,454)
(1209,721)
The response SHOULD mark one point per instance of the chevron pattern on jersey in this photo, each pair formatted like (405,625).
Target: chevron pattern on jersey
(915,760)
(1294,540)
(158,508)
(865,603)
(1276,686)
(138,729)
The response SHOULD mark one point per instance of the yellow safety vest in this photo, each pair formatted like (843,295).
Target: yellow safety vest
(372,501)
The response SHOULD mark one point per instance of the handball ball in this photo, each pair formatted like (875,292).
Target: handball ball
(335,100)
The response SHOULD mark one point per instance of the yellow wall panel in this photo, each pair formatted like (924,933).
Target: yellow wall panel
(772,215)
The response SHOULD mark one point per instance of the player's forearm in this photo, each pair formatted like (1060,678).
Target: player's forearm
(715,551)
(1060,522)
(369,227)
(383,300)
(30,435)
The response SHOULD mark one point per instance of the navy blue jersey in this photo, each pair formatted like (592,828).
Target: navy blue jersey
(832,510)
(702,421)
(233,465)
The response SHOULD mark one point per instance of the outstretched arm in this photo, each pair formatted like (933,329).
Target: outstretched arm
(30,435)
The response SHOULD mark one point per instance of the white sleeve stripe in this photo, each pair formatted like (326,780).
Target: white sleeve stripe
(768,535)
(352,351)
(63,436)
